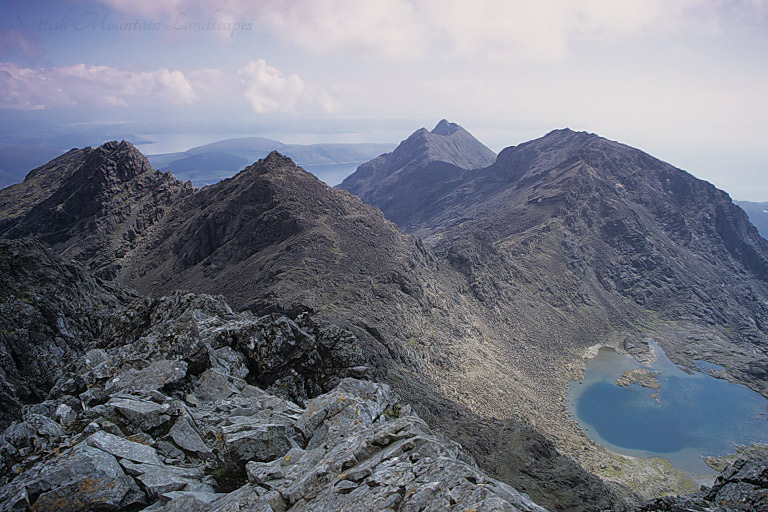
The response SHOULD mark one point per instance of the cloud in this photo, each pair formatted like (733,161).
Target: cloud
(269,90)
(23,88)
(262,86)
(483,29)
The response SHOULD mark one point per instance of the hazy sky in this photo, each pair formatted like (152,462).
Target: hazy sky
(686,80)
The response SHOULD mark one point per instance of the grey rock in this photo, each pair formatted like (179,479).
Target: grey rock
(186,436)
(122,448)
(65,414)
(159,479)
(261,473)
(93,396)
(185,501)
(144,414)
(352,402)
(95,357)
(37,432)
(229,361)
(260,442)
(213,385)
(170,452)
(246,497)
(155,376)
(83,478)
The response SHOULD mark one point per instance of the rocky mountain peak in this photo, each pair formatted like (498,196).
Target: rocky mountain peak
(94,204)
(444,127)
(422,162)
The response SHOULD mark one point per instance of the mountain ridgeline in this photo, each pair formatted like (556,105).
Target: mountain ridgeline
(472,283)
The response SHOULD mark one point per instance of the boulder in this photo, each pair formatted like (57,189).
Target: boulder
(83,478)
(123,448)
(187,437)
(159,479)
(143,414)
(155,376)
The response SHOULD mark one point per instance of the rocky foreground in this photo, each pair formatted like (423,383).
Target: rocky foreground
(182,404)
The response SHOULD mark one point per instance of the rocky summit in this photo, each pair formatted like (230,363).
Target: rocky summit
(418,171)
(95,205)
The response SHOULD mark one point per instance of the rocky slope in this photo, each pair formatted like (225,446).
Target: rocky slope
(94,205)
(51,312)
(418,171)
(178,403)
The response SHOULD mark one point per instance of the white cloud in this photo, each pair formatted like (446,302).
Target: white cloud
(262,86)
(267,89)
(26,88)
(415,29)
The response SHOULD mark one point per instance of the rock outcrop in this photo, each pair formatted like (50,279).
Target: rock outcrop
(742,486)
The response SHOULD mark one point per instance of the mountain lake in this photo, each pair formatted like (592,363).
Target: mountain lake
(688,417)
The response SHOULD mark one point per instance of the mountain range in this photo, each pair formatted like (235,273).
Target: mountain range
(474,283)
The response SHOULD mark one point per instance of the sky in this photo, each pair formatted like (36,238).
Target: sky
(685,80)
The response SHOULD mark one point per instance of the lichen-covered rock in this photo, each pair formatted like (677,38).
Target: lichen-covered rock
(123,448)
(144,414)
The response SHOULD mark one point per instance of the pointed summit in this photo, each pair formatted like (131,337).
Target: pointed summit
(419,166)
(91,204)
(445,128)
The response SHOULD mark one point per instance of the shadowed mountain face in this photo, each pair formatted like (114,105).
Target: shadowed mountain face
(93,205)
(421,168)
